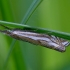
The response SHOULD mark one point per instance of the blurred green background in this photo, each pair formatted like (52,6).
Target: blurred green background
(51,14)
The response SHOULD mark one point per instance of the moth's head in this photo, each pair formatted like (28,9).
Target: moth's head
(7,32)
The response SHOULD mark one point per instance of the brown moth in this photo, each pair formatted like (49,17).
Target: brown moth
(48,41)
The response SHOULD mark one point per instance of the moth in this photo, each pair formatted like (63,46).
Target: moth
(48,41)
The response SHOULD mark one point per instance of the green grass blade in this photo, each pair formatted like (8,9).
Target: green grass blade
(39,30)
(11,48)
(31,9)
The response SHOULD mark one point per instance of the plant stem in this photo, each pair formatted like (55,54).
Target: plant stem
(38,30)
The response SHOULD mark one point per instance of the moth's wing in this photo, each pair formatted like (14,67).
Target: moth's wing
(56,43)
(60,41)
(52,45)
(65,42)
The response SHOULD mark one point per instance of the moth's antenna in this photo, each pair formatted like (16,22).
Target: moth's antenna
(4,31)
(4,27)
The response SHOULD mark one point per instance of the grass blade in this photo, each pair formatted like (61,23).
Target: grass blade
(11,48)
(31,9)
(39,30)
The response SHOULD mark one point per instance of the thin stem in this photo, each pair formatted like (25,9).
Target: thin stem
(11,48)
(39,30)
(30,11)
